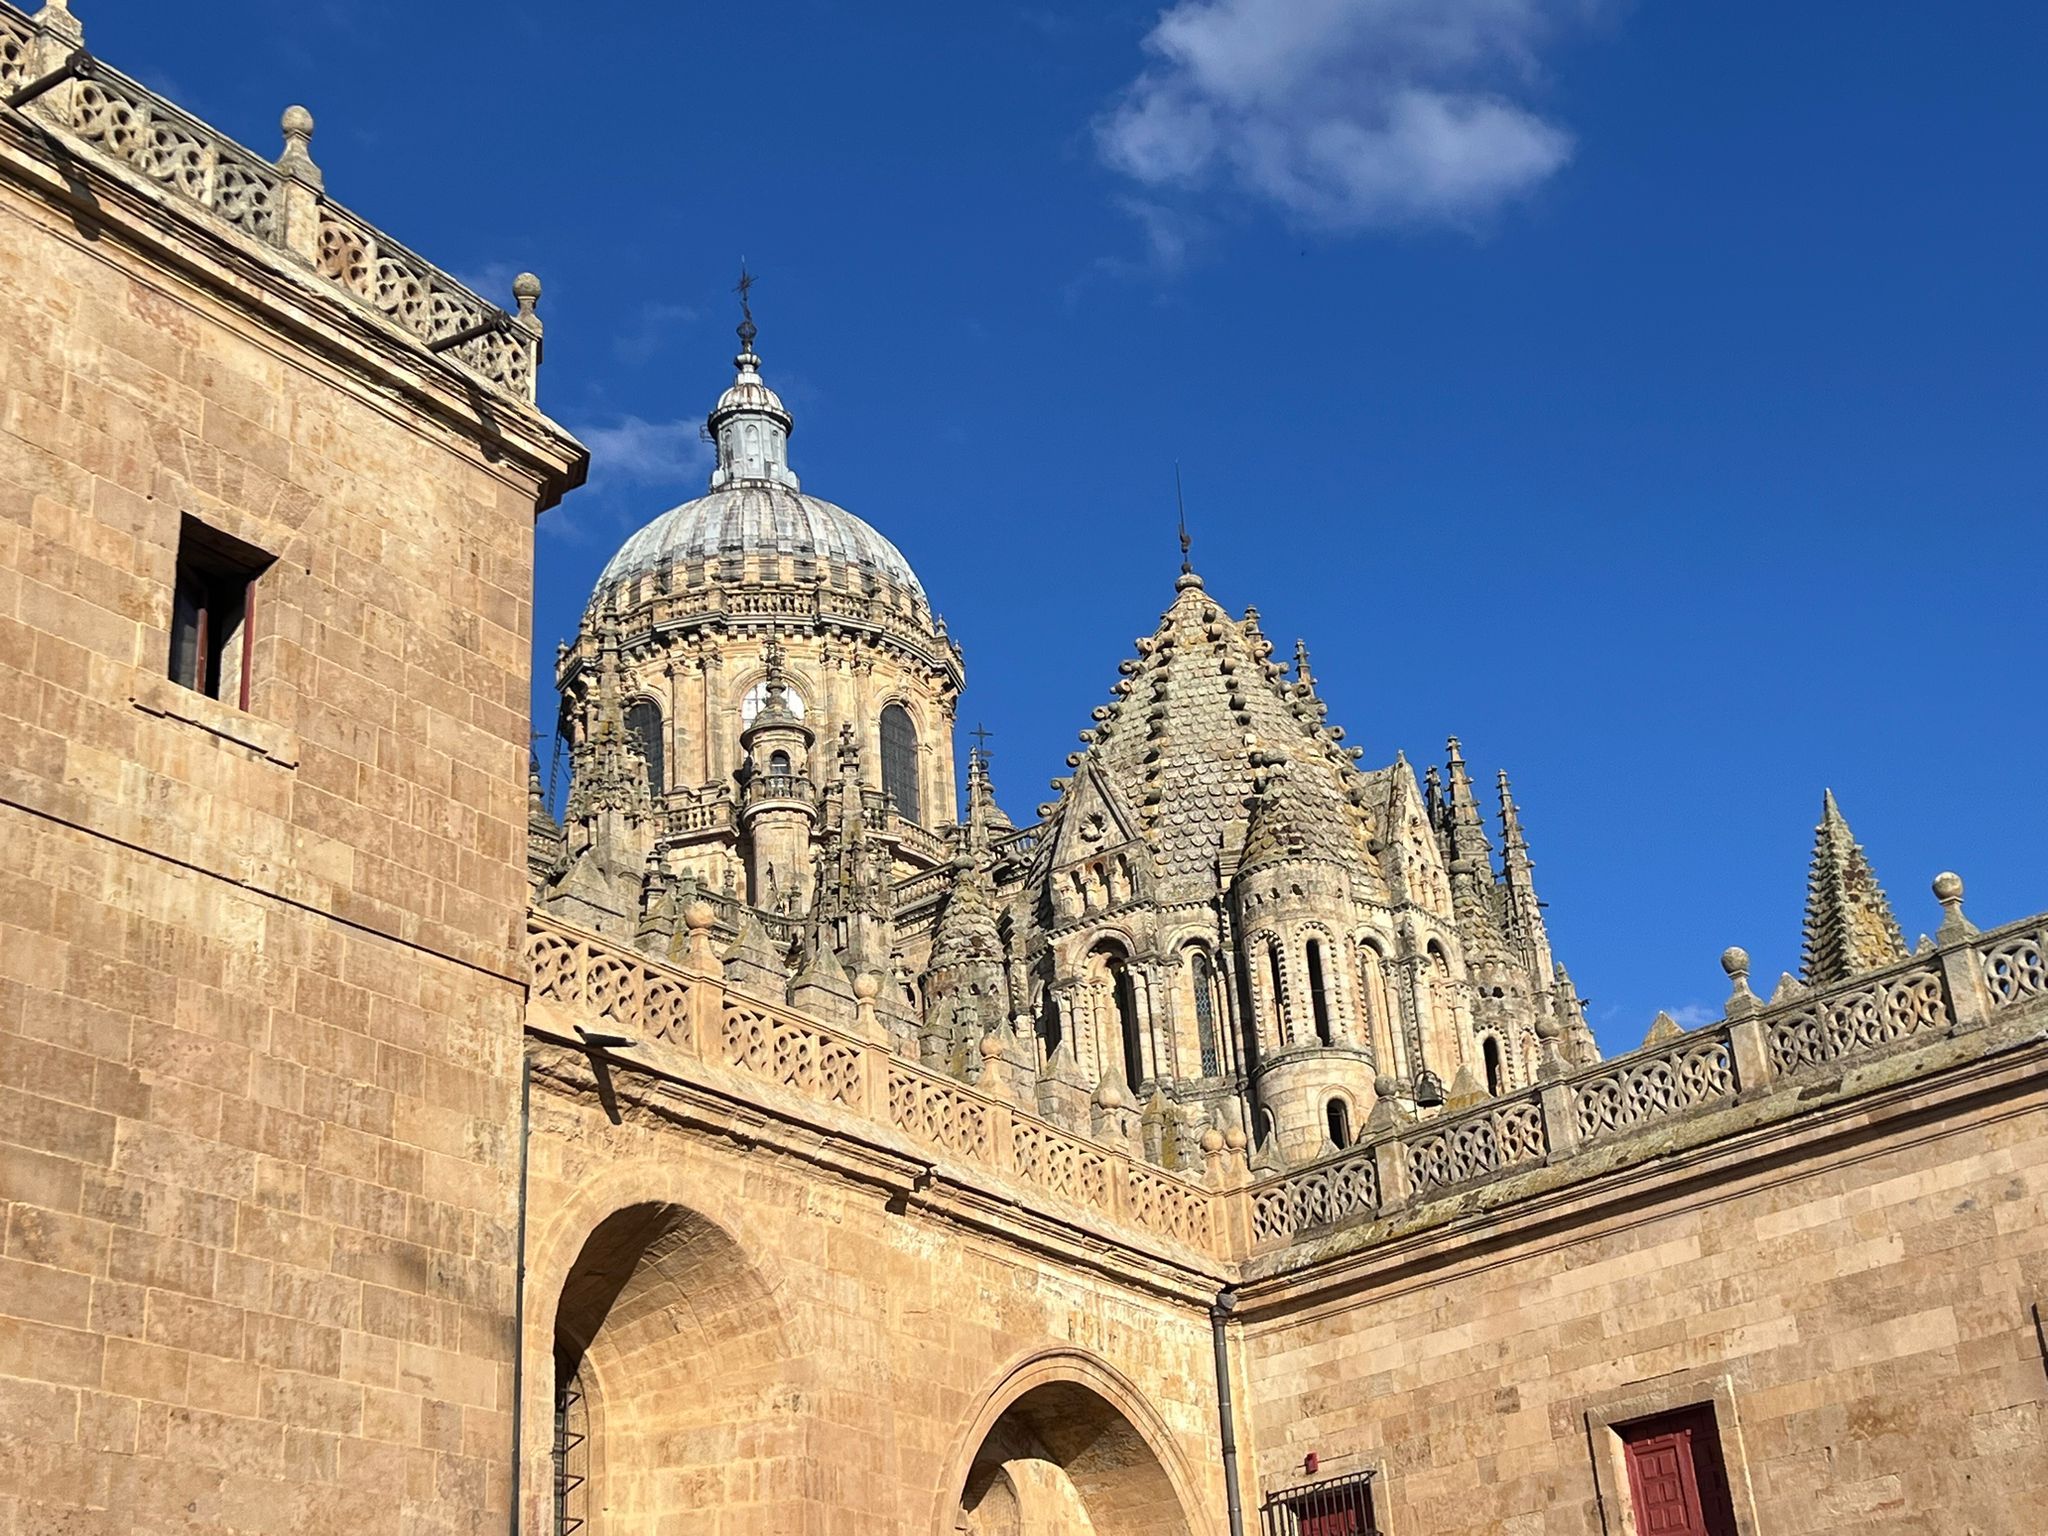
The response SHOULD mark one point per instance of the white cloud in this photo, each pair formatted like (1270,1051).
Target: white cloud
(1348,114)
(656,325)
(646,452)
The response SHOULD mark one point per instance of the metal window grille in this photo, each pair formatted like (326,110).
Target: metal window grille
(1205,1011)
(1336,1506)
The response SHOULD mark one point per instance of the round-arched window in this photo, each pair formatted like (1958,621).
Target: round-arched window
(899,763)
(643,725)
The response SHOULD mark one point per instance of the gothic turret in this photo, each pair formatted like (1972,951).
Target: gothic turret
(780,809)
(1849,927)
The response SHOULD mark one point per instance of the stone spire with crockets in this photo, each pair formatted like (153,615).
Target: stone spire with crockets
(1849,924)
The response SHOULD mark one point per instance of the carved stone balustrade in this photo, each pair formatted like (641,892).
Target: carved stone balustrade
(673,1017)
(1807,1038)
(279,204)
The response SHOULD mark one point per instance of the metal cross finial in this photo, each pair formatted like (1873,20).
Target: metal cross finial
(981,734)
(1180,501)
(744,288)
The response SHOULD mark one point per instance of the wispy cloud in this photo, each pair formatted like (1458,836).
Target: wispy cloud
(1346,114)
(651,331)
(625,453)
(645,452)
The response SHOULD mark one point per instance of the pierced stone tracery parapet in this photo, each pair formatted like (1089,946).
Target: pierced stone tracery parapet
(1795,1042)
(278,204)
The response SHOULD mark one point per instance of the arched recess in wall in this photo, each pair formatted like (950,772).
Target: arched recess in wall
(1276,994)
(1109,972)
(643,727)
(1496,1068)
(899,763)
(1067,1444)
(1377,1002)
(670,1360)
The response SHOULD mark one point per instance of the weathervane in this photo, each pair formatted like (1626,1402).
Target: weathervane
(1180,501)
(744,288)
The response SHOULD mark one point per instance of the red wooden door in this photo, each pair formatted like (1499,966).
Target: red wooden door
(1675,1477)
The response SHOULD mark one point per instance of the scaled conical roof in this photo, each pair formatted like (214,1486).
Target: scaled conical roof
(1177,743)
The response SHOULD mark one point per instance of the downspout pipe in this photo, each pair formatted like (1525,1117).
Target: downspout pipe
(519,1291)
(1219,1317)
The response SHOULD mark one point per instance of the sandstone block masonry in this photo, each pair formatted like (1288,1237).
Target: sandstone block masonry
(259,1011)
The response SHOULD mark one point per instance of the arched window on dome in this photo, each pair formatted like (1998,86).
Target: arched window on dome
(643,727)
(899,763)
(778,764)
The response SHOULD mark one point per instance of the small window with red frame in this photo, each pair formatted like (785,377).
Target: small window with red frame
(213,611)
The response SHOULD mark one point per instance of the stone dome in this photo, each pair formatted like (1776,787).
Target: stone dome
(761,518)
(756,511)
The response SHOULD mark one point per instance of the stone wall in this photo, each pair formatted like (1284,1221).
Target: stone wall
(815,1326)
(259,998)
(1854,1288)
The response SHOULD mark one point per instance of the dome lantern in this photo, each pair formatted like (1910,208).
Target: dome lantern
(750,426)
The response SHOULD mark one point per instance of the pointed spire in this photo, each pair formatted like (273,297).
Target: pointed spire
(984,816)
(1462,819)
(1514,848)
(1521,911)
(1849,927)
(1303,678)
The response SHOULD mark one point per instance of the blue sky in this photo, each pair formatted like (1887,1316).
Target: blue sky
(1651,394)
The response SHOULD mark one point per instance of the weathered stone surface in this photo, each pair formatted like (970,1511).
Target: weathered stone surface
(294,1083)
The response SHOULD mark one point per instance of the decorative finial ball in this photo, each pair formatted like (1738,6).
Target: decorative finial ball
(866,986)
(1235,1139)
(700,915)
(1108,1095)
(1735,961)
(526,286)
(1212,1141)
(1548,1028)
(1948,887)
(1383,1086)
(297,123)
(991,1047)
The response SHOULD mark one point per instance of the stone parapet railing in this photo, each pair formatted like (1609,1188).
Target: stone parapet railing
(675,1015)
(278,204)
(666,599)
(1961,984)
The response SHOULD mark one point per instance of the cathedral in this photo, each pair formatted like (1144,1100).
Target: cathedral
(1223,922)
(770,1134)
